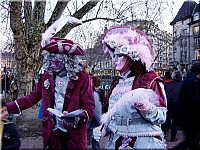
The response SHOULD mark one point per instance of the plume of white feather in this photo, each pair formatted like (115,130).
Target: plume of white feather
(57,25)
(73,20)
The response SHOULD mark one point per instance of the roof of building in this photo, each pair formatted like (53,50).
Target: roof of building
(197,8)
(186,11)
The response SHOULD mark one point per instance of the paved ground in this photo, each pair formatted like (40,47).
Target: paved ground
(36,142)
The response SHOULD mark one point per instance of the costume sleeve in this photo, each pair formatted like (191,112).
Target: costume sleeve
(25,102)
(158,87)
(157,114)
(14,138)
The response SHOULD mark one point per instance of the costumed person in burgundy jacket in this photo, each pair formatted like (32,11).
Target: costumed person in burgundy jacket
(64,87)
(136,100)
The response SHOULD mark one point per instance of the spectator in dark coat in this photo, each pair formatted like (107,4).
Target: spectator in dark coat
(95,120)
(167,77)
(172,89)
(167,125)
(5,84)
(188,113)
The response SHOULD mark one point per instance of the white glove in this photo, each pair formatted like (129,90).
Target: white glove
(97,133)
(144,99)
(144,106)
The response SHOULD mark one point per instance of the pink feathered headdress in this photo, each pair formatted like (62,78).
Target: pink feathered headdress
(129,41)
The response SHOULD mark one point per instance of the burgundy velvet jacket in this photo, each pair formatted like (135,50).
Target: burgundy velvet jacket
(79,95)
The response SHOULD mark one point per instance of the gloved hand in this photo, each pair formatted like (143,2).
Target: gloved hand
(144,106)
(78,119)
(97,133)
(144,99)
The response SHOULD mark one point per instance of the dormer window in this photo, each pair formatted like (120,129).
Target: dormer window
(184,31)
(196,17)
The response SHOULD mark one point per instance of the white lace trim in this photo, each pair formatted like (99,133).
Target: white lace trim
(18,107)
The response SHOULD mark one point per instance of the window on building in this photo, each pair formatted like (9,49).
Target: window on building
(183,54)
(175,56)
(196,30)
(181,42)
(174,49)
(185,42)
(197,41)
(196,17)
(197,53)
(174,33)
(185,22)
(160,65)
(184,31)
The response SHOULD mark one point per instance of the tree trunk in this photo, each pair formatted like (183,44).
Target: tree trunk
(27,24)
(27,51)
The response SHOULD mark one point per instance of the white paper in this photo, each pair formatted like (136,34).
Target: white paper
(59,114)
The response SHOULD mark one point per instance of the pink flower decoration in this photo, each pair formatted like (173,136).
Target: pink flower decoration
(67,47)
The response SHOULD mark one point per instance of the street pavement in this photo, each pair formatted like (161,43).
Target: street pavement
(36,142)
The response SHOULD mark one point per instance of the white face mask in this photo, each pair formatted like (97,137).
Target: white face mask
(121,63)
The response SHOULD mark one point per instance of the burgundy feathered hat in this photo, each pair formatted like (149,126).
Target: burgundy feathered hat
(62,46)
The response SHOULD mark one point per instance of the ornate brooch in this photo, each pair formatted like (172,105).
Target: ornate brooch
(125,141)
(46,84)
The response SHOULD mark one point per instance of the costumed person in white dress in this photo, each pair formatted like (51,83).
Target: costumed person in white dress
(136,101)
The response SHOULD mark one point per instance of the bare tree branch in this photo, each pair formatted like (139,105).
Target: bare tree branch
(57,12)
(78,14)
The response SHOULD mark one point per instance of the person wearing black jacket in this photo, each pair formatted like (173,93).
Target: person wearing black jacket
(172,89)
(188,113)
(5,84)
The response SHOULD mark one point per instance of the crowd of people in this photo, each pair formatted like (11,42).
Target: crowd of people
(6,81)
(138,109)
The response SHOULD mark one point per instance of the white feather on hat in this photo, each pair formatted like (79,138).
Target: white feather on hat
(58,24)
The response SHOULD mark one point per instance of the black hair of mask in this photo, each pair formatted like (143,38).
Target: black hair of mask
(112,49)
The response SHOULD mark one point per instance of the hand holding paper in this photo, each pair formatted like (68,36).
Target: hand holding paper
(65,114)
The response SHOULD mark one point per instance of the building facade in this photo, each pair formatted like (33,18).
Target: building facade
(186,36)
(8,61)
(161,41)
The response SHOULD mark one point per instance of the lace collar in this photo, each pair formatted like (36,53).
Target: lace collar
(125,75)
